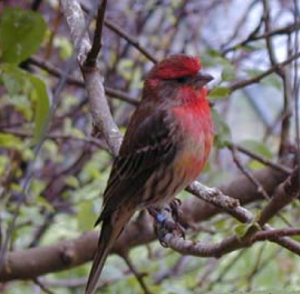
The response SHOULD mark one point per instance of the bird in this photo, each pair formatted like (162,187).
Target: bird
(165,147)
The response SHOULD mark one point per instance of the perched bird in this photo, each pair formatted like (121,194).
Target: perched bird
(165,147)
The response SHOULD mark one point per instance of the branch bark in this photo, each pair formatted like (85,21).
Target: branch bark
(93,80)
(33,262)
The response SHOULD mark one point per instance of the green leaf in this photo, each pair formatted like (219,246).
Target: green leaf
(12,83)
(86,216)
(42,106)
(254,72)
(20,79)
(214,53)
(72,182)
(125,68)
(228,73)
(255,165)
(272,81)
(219,93)
(223,133)
(21,33)
(257,147)
(241,229)
(13,79)
(42,202)
(37,186)
(248,48)
(10,141)
(65,47)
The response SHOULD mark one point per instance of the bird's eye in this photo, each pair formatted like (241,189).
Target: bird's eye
(182,80)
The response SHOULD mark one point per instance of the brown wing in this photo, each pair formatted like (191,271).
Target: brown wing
(146,145)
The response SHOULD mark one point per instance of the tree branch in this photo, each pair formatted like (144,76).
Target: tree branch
(30,263)
(243,83)
(93,81)
(97,42)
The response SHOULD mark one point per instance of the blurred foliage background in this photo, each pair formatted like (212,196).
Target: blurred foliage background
(49,154)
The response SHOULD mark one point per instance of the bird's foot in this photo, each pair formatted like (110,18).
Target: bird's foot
(165,223)
(174,206)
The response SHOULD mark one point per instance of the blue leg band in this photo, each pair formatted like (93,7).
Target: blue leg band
(160,217)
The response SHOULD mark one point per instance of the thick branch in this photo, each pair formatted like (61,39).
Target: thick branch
(30,263)
(93,81)
(284,194)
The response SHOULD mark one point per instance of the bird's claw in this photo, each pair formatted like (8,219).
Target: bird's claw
(174,205)
(165,223)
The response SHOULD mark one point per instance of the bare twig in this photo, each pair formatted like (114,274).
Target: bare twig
(261,159)
(135,43)
(256,266)
(255,182)
(240,26)
(267,21)
(42,286)
(243,83)
(57,136)
(248,174)
(286,30)
(118,30)
(139,276)
(216,197)
(285,126)
(203,249)
(296,87)
(285,193)
(97,42)
(47,66)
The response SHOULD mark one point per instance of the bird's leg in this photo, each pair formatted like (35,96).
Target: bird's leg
(178,216)
(174,205)
(165,223)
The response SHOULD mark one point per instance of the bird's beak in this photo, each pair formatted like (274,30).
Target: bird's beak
(202,78)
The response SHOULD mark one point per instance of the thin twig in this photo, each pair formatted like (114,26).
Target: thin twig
(97,42)
(139,276)
(47,66)
(256,183)
(267,21)
(256,266)
(223,272)
(243,83)
(285,125)
(296,87)
(285,193)
(131,40)
(57,136)
(265,161)
(248,175)
(134,42)
(217,198)
(286,30)
(42,286)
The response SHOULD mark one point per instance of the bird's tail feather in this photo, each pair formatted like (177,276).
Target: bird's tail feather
(109,233)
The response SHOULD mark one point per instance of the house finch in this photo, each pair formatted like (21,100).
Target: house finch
(164,149)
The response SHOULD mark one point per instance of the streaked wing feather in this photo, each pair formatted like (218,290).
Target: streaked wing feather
(146,145)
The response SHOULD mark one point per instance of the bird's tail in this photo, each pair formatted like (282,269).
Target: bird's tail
(109,233)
